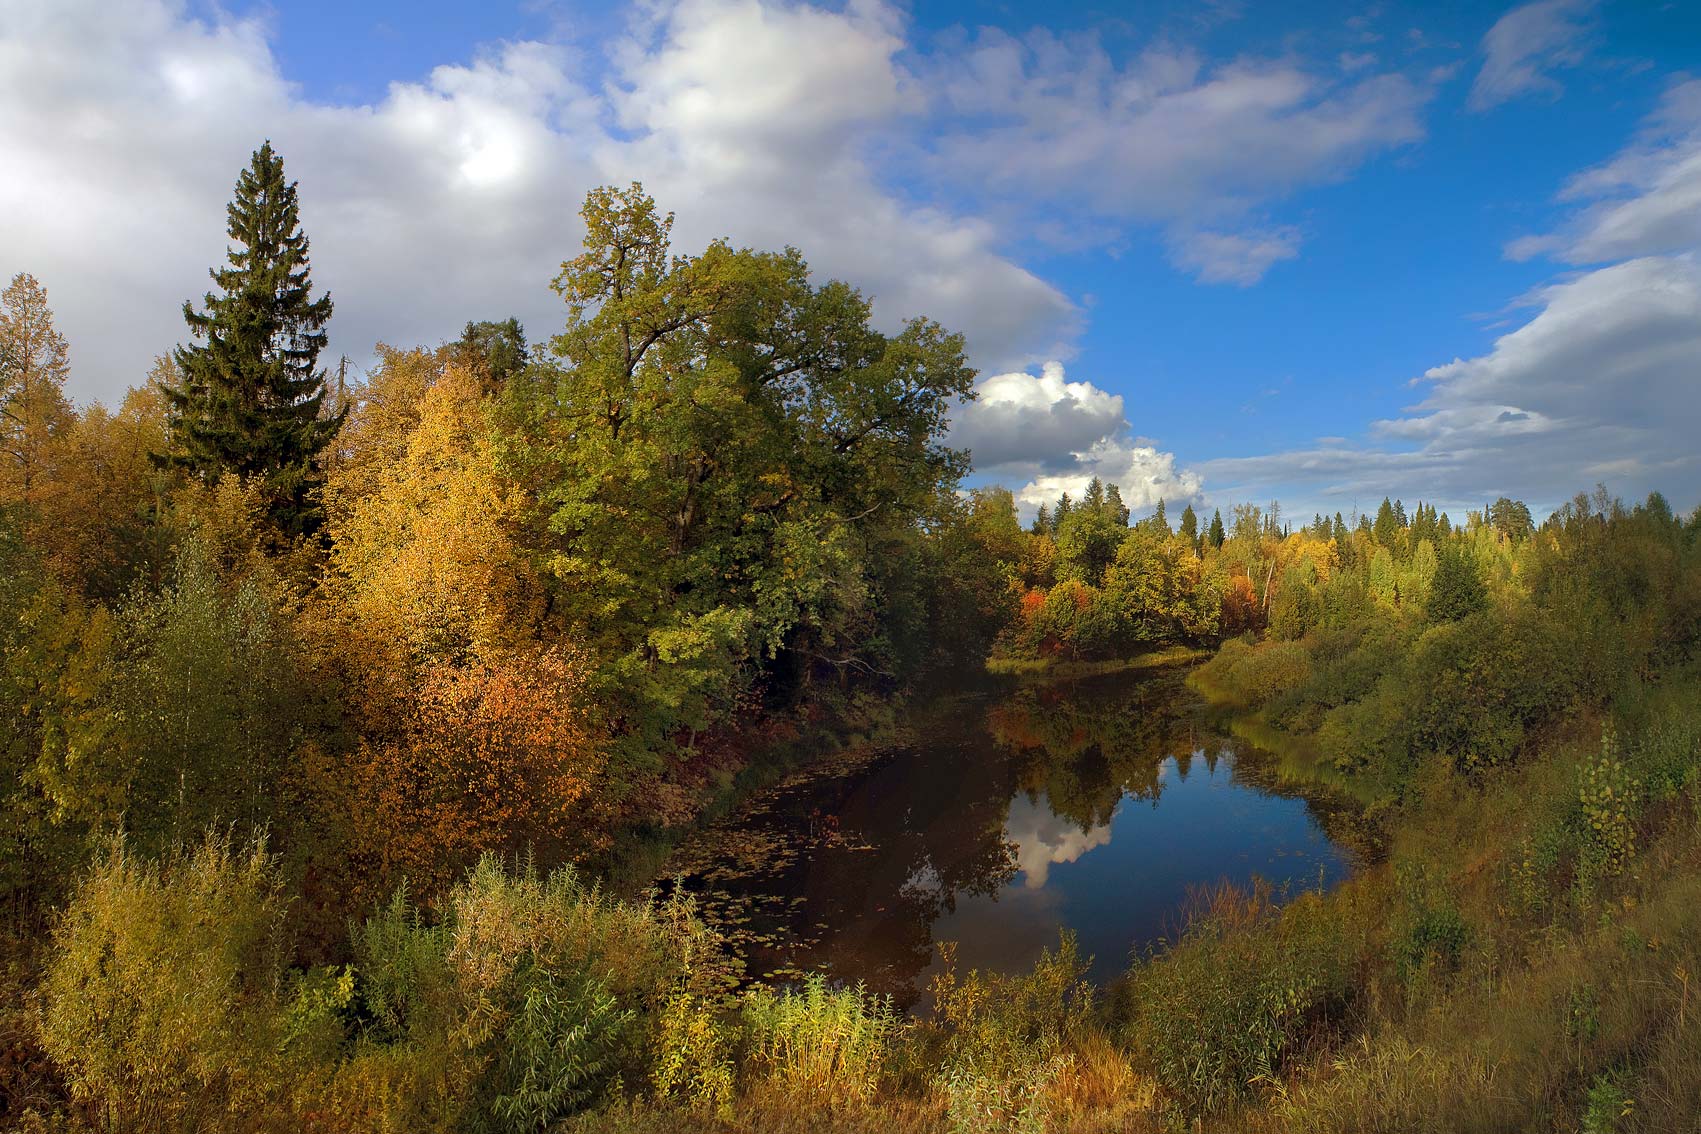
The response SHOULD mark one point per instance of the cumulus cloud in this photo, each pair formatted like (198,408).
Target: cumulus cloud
(1048,435)
(1525,45)
(1027,419)
(1143,473)
(1233,257)
(455,196)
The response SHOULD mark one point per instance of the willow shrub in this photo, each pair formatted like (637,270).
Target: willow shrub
(164,1001)
(537,996)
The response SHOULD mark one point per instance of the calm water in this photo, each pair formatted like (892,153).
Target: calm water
(1095,806)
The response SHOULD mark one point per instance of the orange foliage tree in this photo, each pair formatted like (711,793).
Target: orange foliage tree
(490,756)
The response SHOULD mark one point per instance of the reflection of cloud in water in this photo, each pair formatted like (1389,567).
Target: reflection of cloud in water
(1043,837)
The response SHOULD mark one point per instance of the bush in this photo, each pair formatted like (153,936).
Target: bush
(827,1045)
(163,997)
(1239,997)
(1008,1038)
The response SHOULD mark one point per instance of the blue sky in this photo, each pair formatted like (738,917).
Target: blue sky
(1217,252)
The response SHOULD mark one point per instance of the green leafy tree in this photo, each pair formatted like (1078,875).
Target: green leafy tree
(1383,585)
(732,463)
(1087,540)
(250,398)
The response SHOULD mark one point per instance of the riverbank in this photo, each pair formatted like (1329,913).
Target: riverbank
(1063,669)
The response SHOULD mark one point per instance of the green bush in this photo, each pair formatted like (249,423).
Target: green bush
(1238,997)
(826,1045)
(1007,1038)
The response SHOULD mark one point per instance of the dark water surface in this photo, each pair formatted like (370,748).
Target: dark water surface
(1094,806)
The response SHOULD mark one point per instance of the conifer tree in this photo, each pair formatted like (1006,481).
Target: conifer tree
(1160,522)
(1093,500)
(1190,525)
(1387,527)
(1042,521)
(250,398)
(1217,533)
(1114,507)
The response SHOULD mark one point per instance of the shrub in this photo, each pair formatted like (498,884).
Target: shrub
(1008,1038)
(1239,995)
(1610,798)
(162,1000)
(826,1044)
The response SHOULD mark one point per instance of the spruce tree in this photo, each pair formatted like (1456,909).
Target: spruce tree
(1114,507)
(1216,531)
(1190,525)
(250,397)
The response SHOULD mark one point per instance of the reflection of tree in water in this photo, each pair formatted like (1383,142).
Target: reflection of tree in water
(1088,744)
(847,869)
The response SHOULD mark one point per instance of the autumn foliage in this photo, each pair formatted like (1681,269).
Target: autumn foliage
(489,756)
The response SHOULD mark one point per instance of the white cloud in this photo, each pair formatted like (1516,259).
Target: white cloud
(1233,257)
(1604,382)
(1165,137)
(1524,45)
(1048,436)
(1143,473)
(1646,200)
(455,197)
(1025,419)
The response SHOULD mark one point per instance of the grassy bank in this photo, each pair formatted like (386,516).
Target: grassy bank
(1063,669)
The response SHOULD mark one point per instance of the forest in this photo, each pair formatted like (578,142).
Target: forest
(350,720)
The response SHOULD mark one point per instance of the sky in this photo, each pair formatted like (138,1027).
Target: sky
(1210,252)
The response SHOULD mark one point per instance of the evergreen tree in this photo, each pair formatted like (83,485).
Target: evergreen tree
(1457,588)
(497,351)
(1093,500)
(1190,525)
(1339,531)
(1511,518)
(1042,521)
(1114,507)
(250,397)
(1217,533)
(1387,528)
(1160,522)
(1061,512)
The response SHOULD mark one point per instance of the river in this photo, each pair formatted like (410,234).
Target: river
(1097,806)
